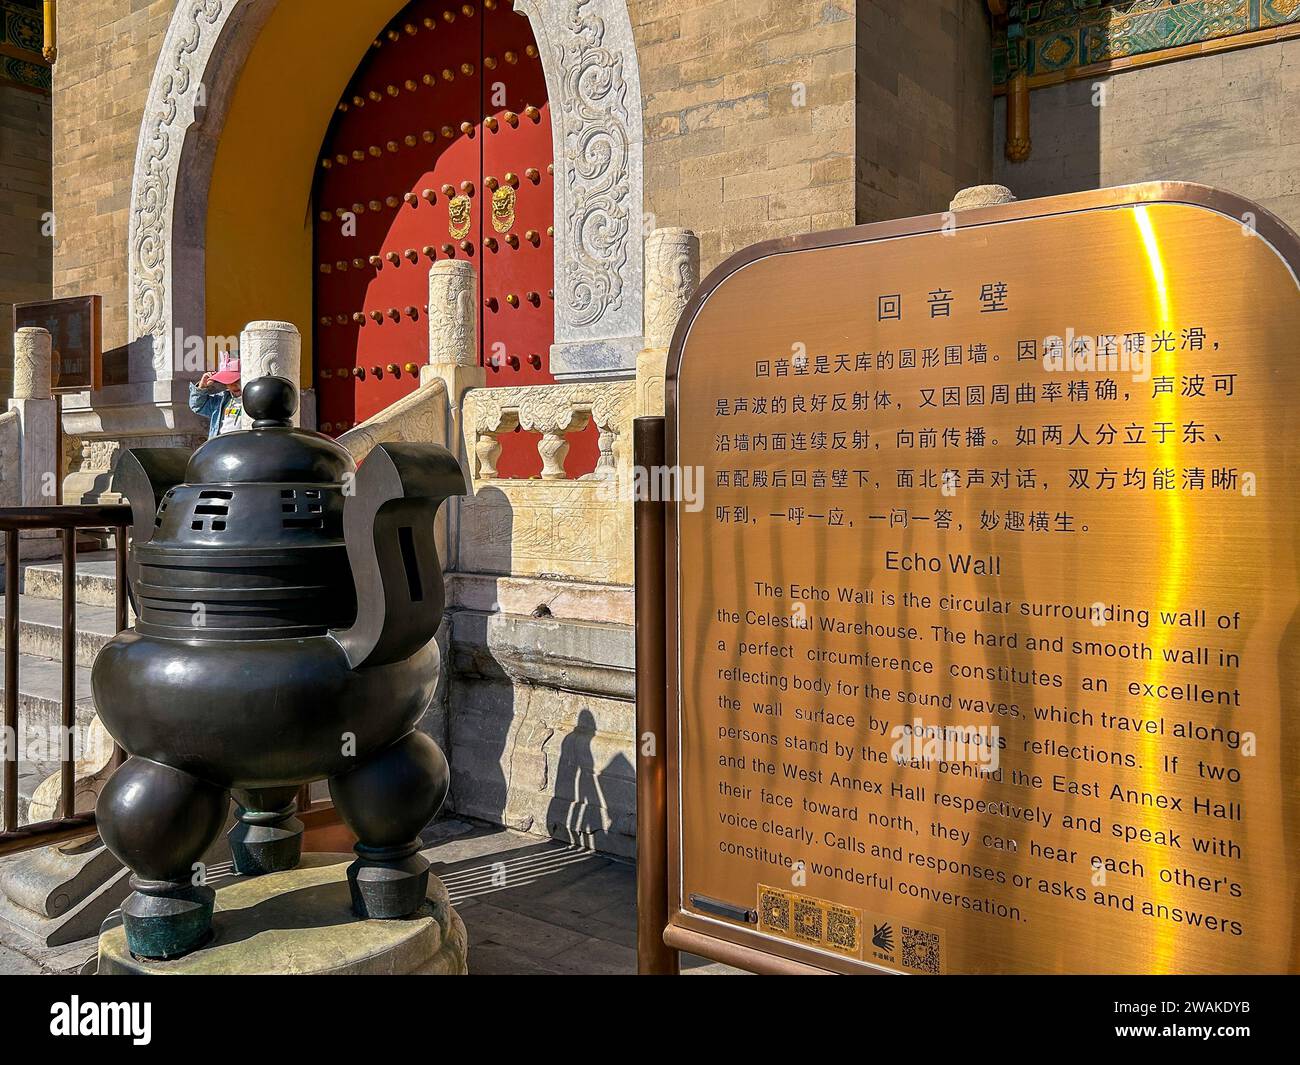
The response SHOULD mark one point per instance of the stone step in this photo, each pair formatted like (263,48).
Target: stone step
(40,628)
(96,579)
(40,703)
(83,918)
(40,689)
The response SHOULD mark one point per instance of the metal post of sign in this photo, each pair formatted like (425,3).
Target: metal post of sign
(654,957)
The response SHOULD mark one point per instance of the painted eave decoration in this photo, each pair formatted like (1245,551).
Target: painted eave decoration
(21,32)
(1055,40)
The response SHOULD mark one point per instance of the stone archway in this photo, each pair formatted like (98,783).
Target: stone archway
(589,58)
(594,85)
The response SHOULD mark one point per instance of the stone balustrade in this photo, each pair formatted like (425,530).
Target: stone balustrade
(419,418)
(555,411)
(552,525)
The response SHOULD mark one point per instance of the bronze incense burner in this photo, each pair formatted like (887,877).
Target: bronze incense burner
(286,606)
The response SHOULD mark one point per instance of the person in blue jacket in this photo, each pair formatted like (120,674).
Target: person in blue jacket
(217,398)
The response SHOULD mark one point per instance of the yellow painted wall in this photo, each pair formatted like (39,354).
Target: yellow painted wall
(259,223)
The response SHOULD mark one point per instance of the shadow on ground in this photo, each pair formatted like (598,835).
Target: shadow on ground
(538,907)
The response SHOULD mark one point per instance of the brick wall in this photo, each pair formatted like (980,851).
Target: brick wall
(924,95)
(770,118)
(1227,120)
(107,52)
(25,252)
(749,117)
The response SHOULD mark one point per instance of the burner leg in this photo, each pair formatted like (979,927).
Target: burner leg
(386,801)
(267,838)
(159,822)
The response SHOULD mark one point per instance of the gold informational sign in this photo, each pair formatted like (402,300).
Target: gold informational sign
(983,623)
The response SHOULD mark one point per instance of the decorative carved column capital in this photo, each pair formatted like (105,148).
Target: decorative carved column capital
(33,363)
(270,349)
(453,337)
(672,274)
(975,196)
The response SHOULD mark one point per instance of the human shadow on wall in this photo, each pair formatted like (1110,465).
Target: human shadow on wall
(518,755)
(576,813)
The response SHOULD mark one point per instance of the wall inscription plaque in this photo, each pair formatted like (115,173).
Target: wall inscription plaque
(983,644)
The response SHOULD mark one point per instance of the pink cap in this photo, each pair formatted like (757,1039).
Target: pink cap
(228,374)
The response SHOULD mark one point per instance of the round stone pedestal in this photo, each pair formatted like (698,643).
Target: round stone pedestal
(300,923)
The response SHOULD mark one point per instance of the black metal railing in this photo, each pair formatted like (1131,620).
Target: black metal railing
(67,521)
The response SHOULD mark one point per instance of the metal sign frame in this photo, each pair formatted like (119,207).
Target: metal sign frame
(89,306)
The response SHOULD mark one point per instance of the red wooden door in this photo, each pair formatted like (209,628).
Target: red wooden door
(440,148)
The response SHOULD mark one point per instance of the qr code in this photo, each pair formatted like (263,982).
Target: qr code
(921,950)
(808,917)
(842,929)
(775,911)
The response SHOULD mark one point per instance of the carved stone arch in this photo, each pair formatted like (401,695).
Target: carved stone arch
(589,59)
(594,85)
(202,56)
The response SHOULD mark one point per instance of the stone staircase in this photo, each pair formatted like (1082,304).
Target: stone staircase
(40,648)
(56,895)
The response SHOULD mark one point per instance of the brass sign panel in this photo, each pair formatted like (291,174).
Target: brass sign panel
(983,641)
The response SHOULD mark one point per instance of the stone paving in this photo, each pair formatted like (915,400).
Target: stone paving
(530,906)
(536,907)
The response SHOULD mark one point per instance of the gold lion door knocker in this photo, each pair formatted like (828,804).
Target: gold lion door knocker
(458,216)
(503,208)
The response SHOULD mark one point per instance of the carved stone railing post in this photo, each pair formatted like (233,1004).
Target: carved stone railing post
(453,337)
(453,330)
(488,449)
(270,349)
(672,274)
(32,458)
(487,442)
(33,363)
(554,444)
(453,361)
